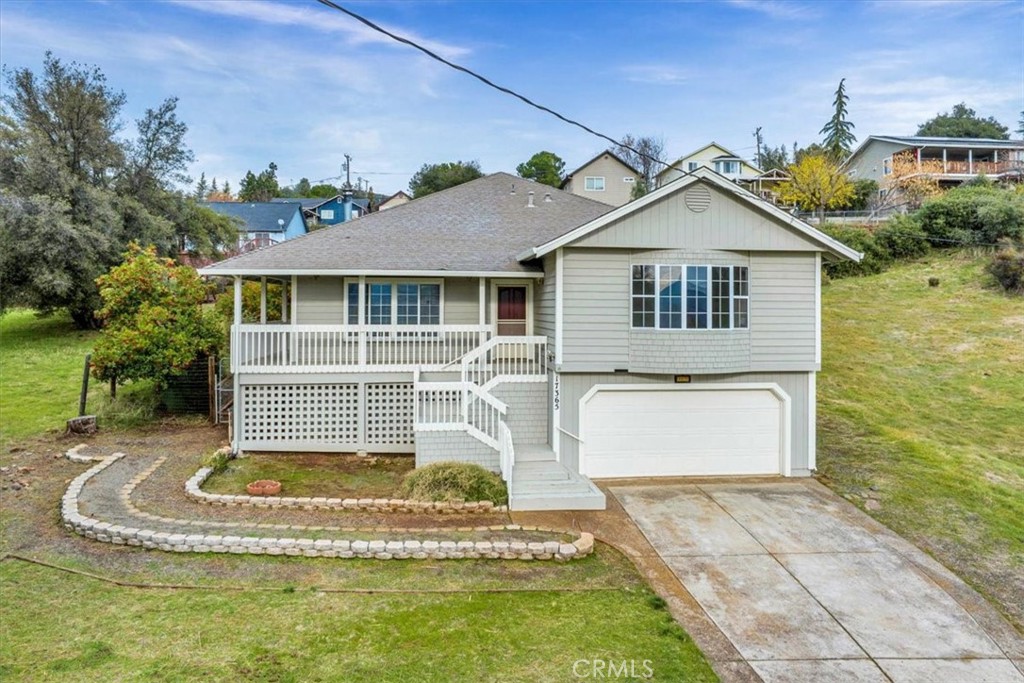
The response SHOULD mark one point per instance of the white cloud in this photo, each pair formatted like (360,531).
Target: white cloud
(656,74)
(776,9)
(319,18)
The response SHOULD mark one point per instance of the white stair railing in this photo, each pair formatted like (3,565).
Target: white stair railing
(512,359)
(462,406)
(507,451)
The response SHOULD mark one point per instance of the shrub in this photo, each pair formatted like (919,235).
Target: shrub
(975,214)
(875,260)
(448,481)
(902,237)
(1007,266)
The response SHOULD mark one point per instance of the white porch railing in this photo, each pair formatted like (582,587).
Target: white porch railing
(459,406)
(366,348)
(508,359)
(507,451)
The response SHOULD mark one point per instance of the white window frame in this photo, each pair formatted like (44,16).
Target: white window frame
(708,297)
(327,214)
(501,282)
(692,165)
(724,165)
(394,299)
(589,186)
(887,166)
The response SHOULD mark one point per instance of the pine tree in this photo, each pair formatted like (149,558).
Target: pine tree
(838,131)
(201,187)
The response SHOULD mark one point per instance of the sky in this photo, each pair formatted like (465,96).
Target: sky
(299,84)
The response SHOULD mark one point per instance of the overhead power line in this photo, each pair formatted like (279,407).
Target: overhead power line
(491,84)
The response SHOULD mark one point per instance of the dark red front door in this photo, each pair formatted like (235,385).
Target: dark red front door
(511,310)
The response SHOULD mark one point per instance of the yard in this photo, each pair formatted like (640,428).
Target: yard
(921,414)
(271,618)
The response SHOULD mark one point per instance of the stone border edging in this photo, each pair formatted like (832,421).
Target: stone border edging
(194,491)
(379,549)
(73,454)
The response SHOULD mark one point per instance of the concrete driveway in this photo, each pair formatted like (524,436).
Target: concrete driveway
(808,588)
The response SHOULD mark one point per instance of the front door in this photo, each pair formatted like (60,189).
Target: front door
(511,321)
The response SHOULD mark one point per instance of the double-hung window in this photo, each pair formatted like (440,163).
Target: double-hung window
(592,183)
(692,297)
(403,303)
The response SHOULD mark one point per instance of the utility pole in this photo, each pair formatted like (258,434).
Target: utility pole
(757,138)
(348,172)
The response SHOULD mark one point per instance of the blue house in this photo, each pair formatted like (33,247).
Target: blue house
(264,223)
(337,209)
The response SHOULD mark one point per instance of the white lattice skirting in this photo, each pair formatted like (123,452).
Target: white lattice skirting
(371,416)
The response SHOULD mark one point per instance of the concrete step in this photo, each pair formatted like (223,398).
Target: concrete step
(548,485)
(533,452)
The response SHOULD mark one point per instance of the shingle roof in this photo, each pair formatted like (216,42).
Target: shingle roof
(478,226)
(304,202)
(258,216)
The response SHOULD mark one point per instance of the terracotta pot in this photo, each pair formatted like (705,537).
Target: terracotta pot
(264,487)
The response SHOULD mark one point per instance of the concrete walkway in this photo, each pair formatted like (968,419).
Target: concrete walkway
(784,581)
(807,591)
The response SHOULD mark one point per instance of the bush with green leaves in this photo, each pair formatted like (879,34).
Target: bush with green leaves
(1007,267)
(976,214)
(448,481)
(902,237)
(876,258)
(154,322)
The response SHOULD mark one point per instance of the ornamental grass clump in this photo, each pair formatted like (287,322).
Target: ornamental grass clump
(450,481)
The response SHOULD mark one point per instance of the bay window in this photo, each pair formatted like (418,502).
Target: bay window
(697,297)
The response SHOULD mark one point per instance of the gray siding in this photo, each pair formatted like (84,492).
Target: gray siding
(454,446)
(461,301)
(574,386)
(528,408)
(595,308)
(320,301)
(544,302)
(726,224)
(868,164)
(598,335)
(783,314)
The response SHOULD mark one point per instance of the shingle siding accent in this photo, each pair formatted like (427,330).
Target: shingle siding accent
(544,302)
(454,446)
(528,407)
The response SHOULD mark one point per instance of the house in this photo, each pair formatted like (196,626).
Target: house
(331,210)
(605,178)
(543,335)
(263,223)
(397,199)
(720,160)
(960,159)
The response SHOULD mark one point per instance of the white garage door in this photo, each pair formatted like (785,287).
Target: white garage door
(659,433)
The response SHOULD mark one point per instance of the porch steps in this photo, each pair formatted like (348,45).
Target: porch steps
(539,482)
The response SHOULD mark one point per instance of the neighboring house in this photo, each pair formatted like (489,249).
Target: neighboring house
(961,158)
(715,157)
(330,211)
(397,199)
(606,178)
(766,184)
(544,336)
(264,223)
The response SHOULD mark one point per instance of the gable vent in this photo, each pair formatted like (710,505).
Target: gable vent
(697,199)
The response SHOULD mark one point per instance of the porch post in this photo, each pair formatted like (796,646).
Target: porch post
(918,158)
(482,299)
(284,301)
(944,170)
(263,300)
(236,395)
(361,320)
(295,299)
(970,162)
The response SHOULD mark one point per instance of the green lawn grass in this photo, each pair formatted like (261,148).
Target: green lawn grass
(60,628)
(41,363)
(921,406)
(312,475)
